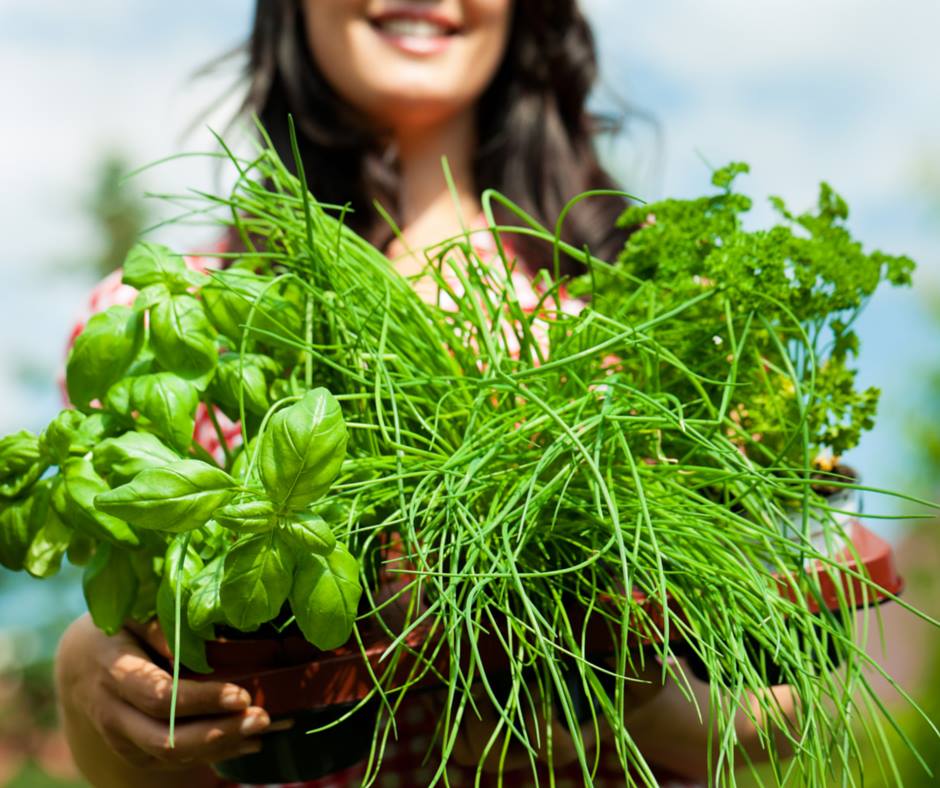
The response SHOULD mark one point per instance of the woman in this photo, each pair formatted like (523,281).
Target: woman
(381,90)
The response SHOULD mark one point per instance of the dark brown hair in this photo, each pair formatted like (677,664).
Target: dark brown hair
(535,133)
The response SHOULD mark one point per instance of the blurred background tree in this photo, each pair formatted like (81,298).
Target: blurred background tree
(117,211)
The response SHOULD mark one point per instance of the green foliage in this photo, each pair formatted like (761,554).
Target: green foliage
(243,379)
(325,596)
(163,403)
(130,494)
(526,476)
(310,533)
(110,587)
(302,450)
(258,574)
(179,497)
(51,536)
(74,502)
(102,353)
(20,463)
(148,265)
(766,315)
(255,515)
(122,458)
(181,567)
(182,338)
(16,532)
(205,601)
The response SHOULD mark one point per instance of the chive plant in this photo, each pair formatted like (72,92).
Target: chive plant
(569,496)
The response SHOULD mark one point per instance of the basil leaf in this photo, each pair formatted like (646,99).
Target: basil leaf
(16,532)
(166,405)
(236,373)
(93,429)
(252,516)
(257,580)
(182,337)
(302,450)
(148,583)
(55,441)
(118,397)
(52,536)
(205,602)
(102,353)
(308,533)
(20,463)
(121,459)
(229,298)
(177,498)
(211,540)
(110,587)
(150,296)
(81,549)
(74,433)
(74,502)
(325,597)
(150,264)
(281,388)
(18,452)
(178,567)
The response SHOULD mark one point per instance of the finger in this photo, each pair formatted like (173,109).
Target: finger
(149,688)
(151,634)
(196,741)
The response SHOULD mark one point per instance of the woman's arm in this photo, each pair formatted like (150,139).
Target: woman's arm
(115,704)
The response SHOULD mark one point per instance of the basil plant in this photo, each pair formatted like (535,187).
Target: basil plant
(119,486)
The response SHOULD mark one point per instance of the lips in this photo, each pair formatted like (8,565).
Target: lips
(415,31)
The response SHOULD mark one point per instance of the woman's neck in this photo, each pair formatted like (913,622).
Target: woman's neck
(428,212)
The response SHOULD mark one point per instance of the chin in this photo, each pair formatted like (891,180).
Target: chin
(412,107)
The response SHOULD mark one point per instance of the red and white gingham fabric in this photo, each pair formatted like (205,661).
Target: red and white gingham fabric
(403,764)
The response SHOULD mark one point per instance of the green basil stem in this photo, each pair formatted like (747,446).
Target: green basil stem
(308,330)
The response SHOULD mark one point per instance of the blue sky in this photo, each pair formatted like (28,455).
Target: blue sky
(842,90)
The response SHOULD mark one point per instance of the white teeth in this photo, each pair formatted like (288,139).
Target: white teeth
(412,28)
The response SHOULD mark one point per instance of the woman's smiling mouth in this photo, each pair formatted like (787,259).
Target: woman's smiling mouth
(415,31)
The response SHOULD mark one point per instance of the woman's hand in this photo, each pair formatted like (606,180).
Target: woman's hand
(116,707)
(643,686)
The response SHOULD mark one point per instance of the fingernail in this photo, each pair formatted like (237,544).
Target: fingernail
(235,699)
(280,725)
(255,723)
